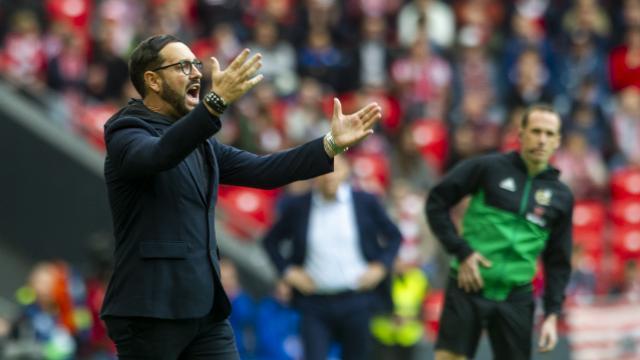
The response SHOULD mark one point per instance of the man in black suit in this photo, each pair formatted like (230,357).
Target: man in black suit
(343,246)
(163,168)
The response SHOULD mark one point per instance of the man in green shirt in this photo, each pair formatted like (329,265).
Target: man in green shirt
(519,211)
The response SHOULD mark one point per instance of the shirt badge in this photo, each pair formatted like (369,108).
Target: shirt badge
(543,197)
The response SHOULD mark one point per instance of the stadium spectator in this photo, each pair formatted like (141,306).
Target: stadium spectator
(242,319)
(624,61)
(278,56)
(423,80)
(582,167)
(277,326)
(432,19)
(343,246)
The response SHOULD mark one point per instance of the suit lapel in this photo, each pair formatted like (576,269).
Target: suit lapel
(358,212)
(305,214)
(211,161)
(192,166)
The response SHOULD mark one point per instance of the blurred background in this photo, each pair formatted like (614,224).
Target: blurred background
(452,78)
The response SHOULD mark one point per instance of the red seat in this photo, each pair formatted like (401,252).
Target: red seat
(589,216)
(90,123)
(625,184)
(248,212)
(432,140)
(371,172)
(432,307)
(626,241)
(591,241)
(626,212)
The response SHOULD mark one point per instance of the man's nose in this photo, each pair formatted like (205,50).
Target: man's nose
(195,72)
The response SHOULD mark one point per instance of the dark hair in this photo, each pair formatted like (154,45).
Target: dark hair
(146,56)
(533,108)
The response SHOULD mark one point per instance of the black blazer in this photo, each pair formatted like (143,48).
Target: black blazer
(166,261)
(379,236)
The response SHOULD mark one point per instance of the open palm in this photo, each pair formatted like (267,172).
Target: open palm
(348,130)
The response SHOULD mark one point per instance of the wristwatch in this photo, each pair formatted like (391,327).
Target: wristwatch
(216,102)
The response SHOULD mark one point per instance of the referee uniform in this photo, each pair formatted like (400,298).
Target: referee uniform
(512,219)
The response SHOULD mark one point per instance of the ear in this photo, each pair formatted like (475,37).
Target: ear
(153,81)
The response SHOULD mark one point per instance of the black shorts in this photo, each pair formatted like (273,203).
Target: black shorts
(509,323)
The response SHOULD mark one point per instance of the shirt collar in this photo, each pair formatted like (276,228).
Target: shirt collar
(343,195)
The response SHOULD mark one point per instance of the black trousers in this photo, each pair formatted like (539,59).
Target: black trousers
(509,323)
(343,318)
(162,339)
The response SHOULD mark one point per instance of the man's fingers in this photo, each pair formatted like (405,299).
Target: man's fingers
(464,282)
(215,66)
(337,108)
(478,280)
(548,344)
(239,60)
(253,81)
(545,343)
(371,120)
(484,261)
(548,340)
(367,110)
(250,67)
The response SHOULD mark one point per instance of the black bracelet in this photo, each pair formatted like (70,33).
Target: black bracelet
(216,102)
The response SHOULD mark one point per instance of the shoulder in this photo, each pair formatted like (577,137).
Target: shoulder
(365,197)
(294,202)
(566,195)
(481,162)
(124,122)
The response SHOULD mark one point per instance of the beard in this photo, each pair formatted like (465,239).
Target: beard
(174,99)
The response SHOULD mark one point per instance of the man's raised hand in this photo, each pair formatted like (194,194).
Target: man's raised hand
(238,78)
(348,130)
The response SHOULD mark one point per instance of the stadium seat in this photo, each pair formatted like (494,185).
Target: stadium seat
(432,306)
(371,172)
(626,212)
(625,184)
(248,212)
(626,242)
(591,241)
(90,123)
(589,216)
(431,137)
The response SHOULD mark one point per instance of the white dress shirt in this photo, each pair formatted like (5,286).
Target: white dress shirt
(334,259)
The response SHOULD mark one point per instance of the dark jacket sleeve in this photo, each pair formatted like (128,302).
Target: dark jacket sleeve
(136,150)
(556,260)
(389,231)
(242,168)
(462,180)
(279,232)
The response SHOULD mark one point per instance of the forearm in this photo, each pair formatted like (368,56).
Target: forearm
(132,145)
(555,284)
(270,171)
(442,226)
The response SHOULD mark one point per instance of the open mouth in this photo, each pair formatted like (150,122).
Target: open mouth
(193,94)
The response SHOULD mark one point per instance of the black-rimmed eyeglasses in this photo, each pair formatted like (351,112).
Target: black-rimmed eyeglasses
(185,65)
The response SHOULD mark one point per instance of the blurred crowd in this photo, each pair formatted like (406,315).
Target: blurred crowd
(452,77)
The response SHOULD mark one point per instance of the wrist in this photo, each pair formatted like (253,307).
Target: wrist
(330,146)
(210,110)
(215,103)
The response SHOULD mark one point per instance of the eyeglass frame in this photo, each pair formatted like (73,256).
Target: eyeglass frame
(192,63)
